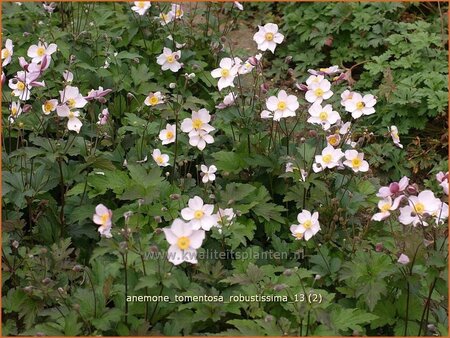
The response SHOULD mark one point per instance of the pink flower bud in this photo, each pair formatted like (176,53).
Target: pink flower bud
(265,88)
(302,87)
(412,189)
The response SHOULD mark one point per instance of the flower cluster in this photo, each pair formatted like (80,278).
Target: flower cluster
(198,128)
(308,225)
(186,235)
(419,209)
(70,99)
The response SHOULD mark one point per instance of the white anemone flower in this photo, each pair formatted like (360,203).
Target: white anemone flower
(360,105)
(7,52)
(443,181)
(386,205)
(265,114)
(318,90)
(395,138)
(356,161)
(169,60)
(73,122)
(21,89)
(199,214)
(325,116)
(209,174)
(228,101)
(15,111)
(161,159)
(141,7)
(37,52)
(295,231)
(420,206)
(67,76)
(225,216)
(103,217)
(226,73)
(154,99)
(268,37)
(71,97)
(168,135)
(198,121)
(283,105)
(308,224)
(184,242)
(49,106)
(164,18)
(200,138)
(346,96)
(176,11)
(329,158)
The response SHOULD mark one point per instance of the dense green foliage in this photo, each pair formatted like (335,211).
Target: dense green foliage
(61,278)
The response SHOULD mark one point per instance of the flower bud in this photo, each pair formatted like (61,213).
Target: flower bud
(172,85)
(43,251)
(302,87)
(268,318)
(46,281)
(28,289)
(123,245)
(279,287)
(175,197)
(15,244)
(412,189)
(157,219)
(379,247)
(77,268)
(188,175)
(312,133)
(27,107)
(288,272)
(265,88)
(153,248)
(158,230)
(76,307)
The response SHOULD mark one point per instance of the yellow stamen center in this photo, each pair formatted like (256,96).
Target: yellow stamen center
(154,100)
(13,111)
(419,208)
(20,86)
(360,105)
(71,115)
(385,207)
(318,92)
(40,51)
(71,103)
(169,135)
(323,116)
(178,13)
(224,72)
(327,158)
(183,242)
(159,159)
(298,235)
(269,36)
(356,162)
(333,140)
(48,107)
(281,105)
(5,53)
(323,69)
(170,59)
(141,4)
(307,224)
(198,214)
(105,218)
(197,123)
